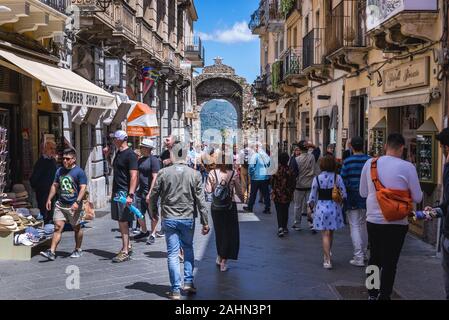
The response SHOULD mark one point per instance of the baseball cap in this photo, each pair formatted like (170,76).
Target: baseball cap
(120,135)
(148,143)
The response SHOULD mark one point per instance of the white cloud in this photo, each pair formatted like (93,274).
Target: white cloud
(238,33)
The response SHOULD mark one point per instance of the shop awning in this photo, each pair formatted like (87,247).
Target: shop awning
(331,112)
(63,85)
(323,112)
(116,116)
(142,121)
(281,107)
(401,99)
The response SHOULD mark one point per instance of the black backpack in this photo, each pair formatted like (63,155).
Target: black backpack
(221,196)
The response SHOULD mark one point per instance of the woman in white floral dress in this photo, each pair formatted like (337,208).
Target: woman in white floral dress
(327,214)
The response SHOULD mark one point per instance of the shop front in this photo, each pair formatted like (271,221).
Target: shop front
(45,92)
(409,103)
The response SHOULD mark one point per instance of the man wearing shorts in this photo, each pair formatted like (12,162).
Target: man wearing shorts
(71,182)
(148,168)
(124,183)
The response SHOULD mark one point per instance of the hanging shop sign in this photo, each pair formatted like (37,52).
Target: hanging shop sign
(408,75)
(112,72)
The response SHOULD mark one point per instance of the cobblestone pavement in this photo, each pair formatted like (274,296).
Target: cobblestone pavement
(268,267)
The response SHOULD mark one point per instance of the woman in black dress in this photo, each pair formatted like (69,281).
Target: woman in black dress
(226,222)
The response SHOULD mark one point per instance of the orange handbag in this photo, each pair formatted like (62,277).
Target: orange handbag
(394,204)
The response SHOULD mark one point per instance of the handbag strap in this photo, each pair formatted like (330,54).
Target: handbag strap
(228,182)
(374,177)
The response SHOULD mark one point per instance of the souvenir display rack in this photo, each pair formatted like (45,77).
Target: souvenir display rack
(378,138)
(426,157)
(426,152)
(8,250)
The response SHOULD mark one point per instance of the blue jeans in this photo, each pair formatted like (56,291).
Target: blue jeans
(179,232)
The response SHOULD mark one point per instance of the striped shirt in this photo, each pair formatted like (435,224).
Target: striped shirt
(351,172)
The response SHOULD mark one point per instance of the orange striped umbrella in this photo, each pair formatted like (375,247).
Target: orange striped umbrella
(142,121)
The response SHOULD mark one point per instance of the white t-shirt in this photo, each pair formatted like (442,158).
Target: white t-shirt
(394,173)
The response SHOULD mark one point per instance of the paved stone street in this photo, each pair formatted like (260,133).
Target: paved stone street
(268,268)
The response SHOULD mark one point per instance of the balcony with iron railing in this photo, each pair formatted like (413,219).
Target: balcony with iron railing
(292,65)
(313,48)
(58,5)
(256,21)
(274,16)
(268,17)
(346,27)
(346,41)
(194,51)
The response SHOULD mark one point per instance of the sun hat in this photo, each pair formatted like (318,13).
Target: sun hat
(17,188)
(21,195)
(4,229)
(147,143)
(12,227)
(6,220)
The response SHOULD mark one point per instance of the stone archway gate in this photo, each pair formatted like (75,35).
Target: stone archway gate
(219,81)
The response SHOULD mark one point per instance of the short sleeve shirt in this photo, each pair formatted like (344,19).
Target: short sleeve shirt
(69,181)
(147,166)
(124,161)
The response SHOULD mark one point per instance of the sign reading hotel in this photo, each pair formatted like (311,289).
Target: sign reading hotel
(379,11)
(407,75)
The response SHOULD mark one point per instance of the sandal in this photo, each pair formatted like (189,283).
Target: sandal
(223,267)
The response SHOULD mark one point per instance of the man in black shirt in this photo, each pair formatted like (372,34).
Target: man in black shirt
(148,168)
(42,178)
(125,181)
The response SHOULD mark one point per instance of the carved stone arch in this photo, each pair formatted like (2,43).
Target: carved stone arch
(219,81)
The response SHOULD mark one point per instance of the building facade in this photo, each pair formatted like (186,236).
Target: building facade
(345,68)
(134,50)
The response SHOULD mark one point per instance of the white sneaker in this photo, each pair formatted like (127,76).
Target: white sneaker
(327,265)
(357,263)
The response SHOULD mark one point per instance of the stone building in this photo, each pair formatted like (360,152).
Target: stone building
(120,52)
(344,68)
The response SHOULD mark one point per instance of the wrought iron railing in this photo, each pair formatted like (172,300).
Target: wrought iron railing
(346,26)
(59,5)
(292,61)
(313,48)
(195,46)
(255,21)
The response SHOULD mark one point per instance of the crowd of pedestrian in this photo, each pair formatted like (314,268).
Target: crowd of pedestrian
(172,190)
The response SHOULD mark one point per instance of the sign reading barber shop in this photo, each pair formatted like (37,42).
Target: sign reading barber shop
(79,98)
(407,75)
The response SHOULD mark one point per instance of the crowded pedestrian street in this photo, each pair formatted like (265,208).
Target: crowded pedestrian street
(197,150)
(269,268)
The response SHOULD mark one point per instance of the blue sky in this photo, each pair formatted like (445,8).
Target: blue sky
(223,27)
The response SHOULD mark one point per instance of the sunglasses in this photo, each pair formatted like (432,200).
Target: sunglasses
(66,158)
